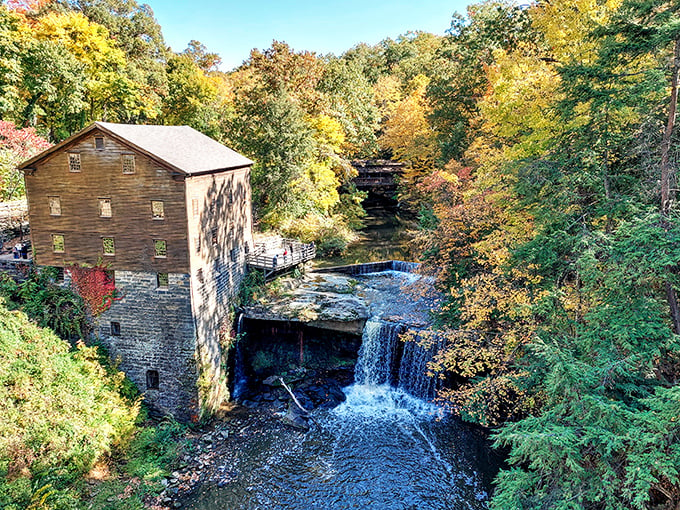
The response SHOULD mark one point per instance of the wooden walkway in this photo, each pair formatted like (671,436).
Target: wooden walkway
(275,257)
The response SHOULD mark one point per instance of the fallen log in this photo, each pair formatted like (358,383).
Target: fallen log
(307,414)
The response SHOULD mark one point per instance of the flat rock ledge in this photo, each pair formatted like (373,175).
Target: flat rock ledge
(326,301)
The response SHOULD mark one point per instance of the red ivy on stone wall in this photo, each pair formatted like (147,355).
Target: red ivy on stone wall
(95,285)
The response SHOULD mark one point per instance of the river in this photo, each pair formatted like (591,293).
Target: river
(384,237)
(381,449)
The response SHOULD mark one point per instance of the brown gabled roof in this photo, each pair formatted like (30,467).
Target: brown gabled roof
(182,148)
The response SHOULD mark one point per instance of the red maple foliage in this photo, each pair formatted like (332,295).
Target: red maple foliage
(95,285)
(23,143)
(26,6)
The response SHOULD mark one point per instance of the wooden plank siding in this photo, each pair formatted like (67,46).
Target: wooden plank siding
(131,224)
(220,201)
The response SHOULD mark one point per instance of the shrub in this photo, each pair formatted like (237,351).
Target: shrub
(49,305)
(331,234)
(61,411)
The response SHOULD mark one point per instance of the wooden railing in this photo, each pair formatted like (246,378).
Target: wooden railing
(271,258)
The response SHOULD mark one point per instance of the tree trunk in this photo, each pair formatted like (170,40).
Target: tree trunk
(666,178)
(667,135)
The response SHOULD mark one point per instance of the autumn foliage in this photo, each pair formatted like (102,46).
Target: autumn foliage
(26,6)
(95,285)
(16,145)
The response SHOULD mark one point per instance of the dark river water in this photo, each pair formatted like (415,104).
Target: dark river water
(381,449)
(384,237)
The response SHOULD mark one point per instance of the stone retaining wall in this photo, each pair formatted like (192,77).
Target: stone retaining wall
(16,268)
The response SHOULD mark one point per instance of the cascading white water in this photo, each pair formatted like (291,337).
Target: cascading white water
(415,375)
(380,449)
(384,359)
(378,353)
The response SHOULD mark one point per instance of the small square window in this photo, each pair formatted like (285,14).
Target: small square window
(162,280)
(152,380)
(128,163)
(160,248)
(58,243)
(197,244)
(194,206)
(99,142)
(157,210)
(199,275)
(105,208)
(55,206)
(74,162)
(108,246)
(213,236)
(115,328)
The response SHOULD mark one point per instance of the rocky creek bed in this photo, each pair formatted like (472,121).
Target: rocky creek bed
(215,450)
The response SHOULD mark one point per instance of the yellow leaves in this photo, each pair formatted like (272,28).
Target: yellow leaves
(328,132)
(449,177)
(408,133)
(522,89)
(324,190)
(88,42)
(387,93)
(565,25)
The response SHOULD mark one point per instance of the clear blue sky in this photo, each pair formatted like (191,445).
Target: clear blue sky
(233,28)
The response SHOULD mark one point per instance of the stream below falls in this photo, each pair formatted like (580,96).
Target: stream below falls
(382,448)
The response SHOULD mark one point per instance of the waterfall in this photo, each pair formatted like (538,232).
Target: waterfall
(405,267)
(384,359)
(377,353)
(413,369)
(240,378)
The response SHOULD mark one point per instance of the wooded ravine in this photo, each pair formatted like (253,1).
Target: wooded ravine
(541,150)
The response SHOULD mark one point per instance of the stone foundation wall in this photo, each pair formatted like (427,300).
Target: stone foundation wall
(16,268)
(157,334)
(213,299)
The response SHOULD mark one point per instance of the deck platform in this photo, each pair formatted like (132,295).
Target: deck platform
(279,255)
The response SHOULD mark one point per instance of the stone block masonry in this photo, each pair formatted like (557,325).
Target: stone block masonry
(152,331)
(18,269)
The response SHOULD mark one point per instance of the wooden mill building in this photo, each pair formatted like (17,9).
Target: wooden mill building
(168,210)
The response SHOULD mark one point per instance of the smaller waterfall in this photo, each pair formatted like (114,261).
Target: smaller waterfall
(240,379)
(384,359)
(405,267)
(413,369)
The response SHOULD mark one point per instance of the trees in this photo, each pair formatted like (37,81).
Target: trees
(16,146)
(291,114)
(549,238)
(410,137)
(65,72)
